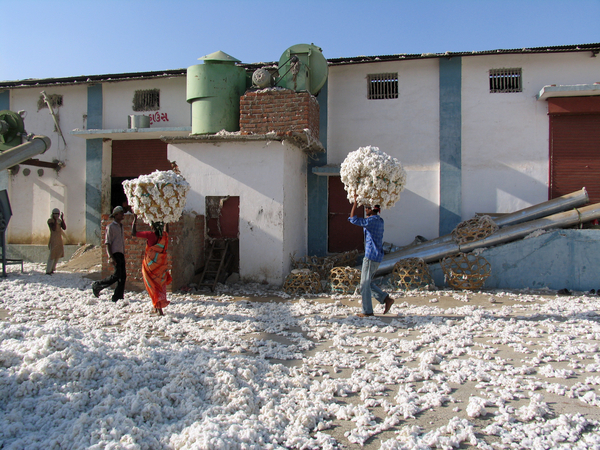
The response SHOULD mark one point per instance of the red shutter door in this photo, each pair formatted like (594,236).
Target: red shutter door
(574,152)
(226,225)
(130,159)
(343,236)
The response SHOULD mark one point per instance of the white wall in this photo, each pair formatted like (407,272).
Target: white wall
(294,206)
(33,197)
(406,128)
(505,137)
(174,109)
(505,144)
(272,218)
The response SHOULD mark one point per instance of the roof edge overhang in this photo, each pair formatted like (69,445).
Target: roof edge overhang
(328,170)
(302,140)
(572,90)
(177,135)
(594,49)
(568,90)
(130,133)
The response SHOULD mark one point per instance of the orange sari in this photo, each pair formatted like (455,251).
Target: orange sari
(154,272)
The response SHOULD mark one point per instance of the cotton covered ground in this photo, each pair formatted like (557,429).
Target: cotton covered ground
(249,368)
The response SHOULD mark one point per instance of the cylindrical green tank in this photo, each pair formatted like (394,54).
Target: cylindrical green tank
(214,90)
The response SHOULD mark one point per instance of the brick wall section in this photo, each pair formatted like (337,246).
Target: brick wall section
(283,111)
(185,253)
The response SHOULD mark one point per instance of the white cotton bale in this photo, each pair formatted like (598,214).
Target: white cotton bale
(374,176)
(157,197)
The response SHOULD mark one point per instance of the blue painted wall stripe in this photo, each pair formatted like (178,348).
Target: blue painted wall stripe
(4,100)
(93,168)
(450,144)
(316,188)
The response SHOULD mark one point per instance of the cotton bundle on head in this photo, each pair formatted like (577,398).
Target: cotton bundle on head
(158,197)
(374,176)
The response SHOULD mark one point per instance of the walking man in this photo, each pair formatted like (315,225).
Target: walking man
(115,248)
(373,229)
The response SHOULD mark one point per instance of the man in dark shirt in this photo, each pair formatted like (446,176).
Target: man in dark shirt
(115,247)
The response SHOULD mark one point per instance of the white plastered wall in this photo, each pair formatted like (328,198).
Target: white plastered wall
(505,136)
(174,109)
(406,128)
(33,196)
(270,179)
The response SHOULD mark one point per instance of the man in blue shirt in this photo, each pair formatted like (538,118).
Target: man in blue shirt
(373,229)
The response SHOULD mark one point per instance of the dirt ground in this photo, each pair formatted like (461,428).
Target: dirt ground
(87,258)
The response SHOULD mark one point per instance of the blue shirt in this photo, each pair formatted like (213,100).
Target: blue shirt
(373,228)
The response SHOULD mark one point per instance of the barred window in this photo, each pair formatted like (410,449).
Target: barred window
(382,86)
(146,100)
(505,80)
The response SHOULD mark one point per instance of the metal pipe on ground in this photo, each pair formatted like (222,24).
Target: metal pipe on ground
(23,152)
(543,209)
(502,236)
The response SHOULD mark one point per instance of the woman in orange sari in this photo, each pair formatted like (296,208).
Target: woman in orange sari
(154,267)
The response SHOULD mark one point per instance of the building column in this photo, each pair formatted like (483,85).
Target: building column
(93,168)
(316,189)
(450,144)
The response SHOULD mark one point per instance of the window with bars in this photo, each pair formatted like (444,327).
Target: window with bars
(505,80)
(146,100)
(382,86)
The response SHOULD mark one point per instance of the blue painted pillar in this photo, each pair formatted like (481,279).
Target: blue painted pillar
(316,188)
(450,144)
(93,168)
(4,100)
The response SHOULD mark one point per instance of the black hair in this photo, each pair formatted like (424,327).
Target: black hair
(158,228)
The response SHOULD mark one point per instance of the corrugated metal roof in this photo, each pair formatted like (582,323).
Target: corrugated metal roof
(90,79)
(594,48)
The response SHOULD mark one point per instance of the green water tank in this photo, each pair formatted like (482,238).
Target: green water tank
(214,90)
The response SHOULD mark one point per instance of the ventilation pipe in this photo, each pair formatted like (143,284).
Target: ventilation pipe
(517,225)
(23,152)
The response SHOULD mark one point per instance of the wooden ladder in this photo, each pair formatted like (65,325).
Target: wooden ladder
(217,263)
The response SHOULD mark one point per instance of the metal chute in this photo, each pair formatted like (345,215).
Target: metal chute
(543,216)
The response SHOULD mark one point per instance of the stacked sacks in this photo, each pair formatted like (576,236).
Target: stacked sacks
(374,176)
(158,197)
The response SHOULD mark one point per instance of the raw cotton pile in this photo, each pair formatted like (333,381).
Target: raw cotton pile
(158,197)
(375,177)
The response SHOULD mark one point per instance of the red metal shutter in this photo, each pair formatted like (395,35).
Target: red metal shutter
(227,224)
(343,236)
(130,159)
(575,146)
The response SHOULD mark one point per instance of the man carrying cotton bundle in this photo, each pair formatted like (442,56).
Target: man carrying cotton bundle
(374,179)
(373,229)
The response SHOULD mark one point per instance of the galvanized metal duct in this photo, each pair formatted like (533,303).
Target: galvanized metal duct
(20,153)
(510,233)
(543,209)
